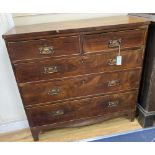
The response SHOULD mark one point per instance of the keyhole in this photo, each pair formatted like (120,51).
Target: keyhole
(82,61)
(83,82)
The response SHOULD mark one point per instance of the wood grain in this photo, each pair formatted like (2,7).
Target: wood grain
(74,110)
(79,65)
(30,49)
(74,26)
(80,86)
(100,42)
(65,70)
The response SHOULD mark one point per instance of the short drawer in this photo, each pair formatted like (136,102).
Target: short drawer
(74,110)
(80,86)
(79,65)
(111,40)
(43,48)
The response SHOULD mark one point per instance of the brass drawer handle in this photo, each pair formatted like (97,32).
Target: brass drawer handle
(115,43)
(113,83)
(46,50)
(55,91)
(57,112)
(111,62)
(113,103)
(50,70)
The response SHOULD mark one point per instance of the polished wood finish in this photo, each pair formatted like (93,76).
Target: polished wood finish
(68,76)
(79,87)
(79,65)
(74,110)
(101,41)
(86,25)
(32,49)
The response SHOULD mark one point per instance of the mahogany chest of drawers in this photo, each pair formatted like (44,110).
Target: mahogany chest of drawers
(67,72)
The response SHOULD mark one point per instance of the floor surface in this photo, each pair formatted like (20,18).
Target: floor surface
(74,134)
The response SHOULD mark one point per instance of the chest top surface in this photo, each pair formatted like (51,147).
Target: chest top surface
(74,26)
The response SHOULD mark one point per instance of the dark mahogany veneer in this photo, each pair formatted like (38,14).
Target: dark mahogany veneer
(67,74)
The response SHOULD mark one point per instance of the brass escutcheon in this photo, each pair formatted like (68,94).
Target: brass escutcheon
(46,50)
(57,112)
(113,103)
(113,83)
(115,43)
(50,70)
(111,62)
(54,91)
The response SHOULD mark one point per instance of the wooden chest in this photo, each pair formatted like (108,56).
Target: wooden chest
(67,72)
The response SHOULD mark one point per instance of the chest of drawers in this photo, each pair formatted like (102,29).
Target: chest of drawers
(67,73)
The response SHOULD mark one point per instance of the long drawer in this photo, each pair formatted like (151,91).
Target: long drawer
(80,86)
(77,109)
(79,65)
(44,48)
(106,41)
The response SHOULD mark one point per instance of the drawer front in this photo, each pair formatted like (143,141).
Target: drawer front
(81,86)
(59,68)
(107,41)
(74,110)
(44,48)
